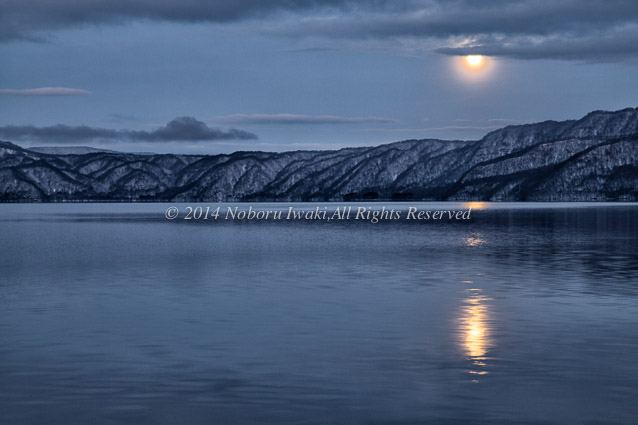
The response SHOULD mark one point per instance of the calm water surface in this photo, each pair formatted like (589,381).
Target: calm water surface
(526,314)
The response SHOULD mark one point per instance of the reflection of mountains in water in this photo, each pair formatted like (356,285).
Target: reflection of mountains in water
(594,158)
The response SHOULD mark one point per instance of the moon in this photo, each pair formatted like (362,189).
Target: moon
(473,69)
(474,61)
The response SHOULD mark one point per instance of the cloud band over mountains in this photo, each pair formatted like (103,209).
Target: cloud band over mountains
(592,30)
(300,119)
(183,129)
(45,91)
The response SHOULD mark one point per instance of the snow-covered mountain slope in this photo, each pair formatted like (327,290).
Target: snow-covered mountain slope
(594,158)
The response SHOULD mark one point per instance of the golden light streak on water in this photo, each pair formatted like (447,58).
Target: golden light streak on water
(475,331)
(475,205)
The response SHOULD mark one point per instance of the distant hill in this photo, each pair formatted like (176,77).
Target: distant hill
(75,150)
(68,150)
(594,158)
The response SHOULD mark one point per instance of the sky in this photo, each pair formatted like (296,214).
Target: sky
(199,76)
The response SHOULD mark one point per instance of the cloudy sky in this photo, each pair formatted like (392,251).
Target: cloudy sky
(219,76)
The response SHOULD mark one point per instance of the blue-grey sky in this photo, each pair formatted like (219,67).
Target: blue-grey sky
(218,76)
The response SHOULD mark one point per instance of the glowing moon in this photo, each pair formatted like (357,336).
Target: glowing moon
(474,61)
(473,68)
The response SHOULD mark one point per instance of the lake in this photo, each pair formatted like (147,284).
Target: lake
(523,314)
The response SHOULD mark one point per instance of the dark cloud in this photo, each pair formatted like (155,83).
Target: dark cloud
(190,129)
(31,19)
(620,44)
(300,119)
(469,18)
(45,91)
(184,129)
(592,30)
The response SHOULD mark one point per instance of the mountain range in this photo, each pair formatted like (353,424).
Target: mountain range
(594,158)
